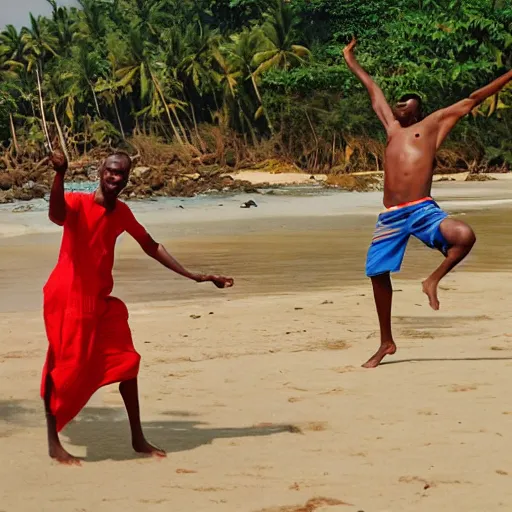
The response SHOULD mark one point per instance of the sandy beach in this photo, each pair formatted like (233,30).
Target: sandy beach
(257,392)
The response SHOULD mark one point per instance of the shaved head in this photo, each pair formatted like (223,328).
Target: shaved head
(122,157)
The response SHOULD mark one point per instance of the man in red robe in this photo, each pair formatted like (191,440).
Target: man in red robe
(90,343)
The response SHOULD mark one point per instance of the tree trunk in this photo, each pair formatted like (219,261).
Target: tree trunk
(249,125)
(13,133)
(119,119)
(196,129)
(166,107)
(85,135)
(95,99)
(183,131)
(258,95)
(333,150)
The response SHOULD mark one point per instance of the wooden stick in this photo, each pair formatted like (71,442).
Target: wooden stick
(41,106)
(61,135)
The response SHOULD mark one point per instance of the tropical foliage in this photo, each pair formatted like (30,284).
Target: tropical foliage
(260,76)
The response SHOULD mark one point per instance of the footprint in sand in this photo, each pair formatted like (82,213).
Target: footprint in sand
(345,369)
(335,391)
(459,388)
(310,506)
(314,426)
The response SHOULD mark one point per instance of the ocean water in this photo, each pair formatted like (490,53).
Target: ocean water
(199,200)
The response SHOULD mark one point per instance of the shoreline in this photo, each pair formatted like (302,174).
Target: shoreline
(29,218)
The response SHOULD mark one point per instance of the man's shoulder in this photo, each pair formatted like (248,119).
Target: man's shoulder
(123,209)
(122,205)
(74,198)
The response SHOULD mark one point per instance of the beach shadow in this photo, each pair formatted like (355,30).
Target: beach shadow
(105,432)
(437,359)
(16,412)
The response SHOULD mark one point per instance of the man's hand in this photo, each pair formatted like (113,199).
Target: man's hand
(350,47)
(58,159)
(218,281)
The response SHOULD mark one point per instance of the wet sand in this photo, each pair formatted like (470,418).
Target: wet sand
(276,256)
(257,392)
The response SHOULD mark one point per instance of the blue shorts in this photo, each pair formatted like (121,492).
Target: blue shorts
(394,227)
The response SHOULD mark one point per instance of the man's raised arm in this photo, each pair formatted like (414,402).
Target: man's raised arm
(449,116)
(379,103)
(57,209)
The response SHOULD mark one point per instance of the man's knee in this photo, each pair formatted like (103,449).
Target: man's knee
(466,236)
(458,233)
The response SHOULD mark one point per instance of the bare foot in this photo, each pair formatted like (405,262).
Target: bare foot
(430,289)
(386,349)
(144,447)
(58,453)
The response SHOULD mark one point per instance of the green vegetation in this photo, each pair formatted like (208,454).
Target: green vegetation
(237,81)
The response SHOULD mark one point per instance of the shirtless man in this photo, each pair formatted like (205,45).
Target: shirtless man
(412,142)
(89,338)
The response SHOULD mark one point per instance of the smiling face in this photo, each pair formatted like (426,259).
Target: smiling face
(114,174)
(407,111)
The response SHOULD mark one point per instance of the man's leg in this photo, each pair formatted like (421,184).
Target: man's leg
(130,393)
(383,294)
(461,239)
(55,449)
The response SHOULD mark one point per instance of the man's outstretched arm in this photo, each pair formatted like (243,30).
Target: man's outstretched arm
(449,116)
(491,89)
(158,252)
(379,103)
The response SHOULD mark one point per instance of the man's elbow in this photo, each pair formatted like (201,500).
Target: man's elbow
(473,101)
(56,219)
(471,104)
(150,247)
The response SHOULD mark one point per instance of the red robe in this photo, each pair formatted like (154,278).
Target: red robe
(90,342)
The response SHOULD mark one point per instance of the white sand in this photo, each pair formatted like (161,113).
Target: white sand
(298,178)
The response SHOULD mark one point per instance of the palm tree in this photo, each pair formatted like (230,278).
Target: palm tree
(38,42)
(240,53)
(184,61)
(279,31)
(108,91)
(84,69)
(90,24)
(11,54)
(153,15)
(195,67)
(7,107)
(12,44)
(62,26)
(138,71)
(226,77)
